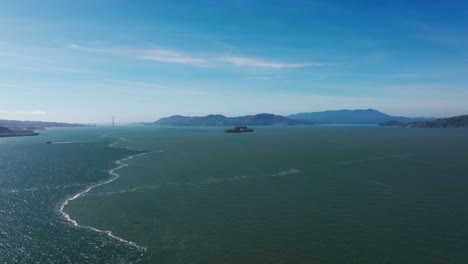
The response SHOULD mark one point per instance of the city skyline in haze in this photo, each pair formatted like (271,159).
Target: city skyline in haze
(86,61)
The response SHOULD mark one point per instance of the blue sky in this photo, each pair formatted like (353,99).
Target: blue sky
(84,61)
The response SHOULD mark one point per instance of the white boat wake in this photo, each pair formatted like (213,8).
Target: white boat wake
(71,142)
(120,164)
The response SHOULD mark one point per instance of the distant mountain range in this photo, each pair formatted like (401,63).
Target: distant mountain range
(451,122)
(34,124)
(369,116)
(220,120)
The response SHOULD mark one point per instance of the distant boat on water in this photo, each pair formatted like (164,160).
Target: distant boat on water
(240,129)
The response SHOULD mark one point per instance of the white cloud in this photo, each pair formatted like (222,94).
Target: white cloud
(159,55)
(177,57)
(112,50)
(169,56)
(251,62)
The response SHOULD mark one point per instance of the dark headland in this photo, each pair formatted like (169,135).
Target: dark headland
(451,122)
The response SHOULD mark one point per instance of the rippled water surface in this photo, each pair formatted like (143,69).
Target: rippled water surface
(198,195)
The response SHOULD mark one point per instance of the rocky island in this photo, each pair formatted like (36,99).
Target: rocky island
(241,129)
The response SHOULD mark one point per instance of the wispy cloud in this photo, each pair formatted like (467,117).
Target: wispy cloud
(169,56)
(24,112)
(159,55)
(178,57)
(108,50)
(258,63)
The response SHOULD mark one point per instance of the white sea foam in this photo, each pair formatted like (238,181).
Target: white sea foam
(120,164)
(201,182)
(360,160)
(135,189)
(71,142)
(246,177)
(286,172)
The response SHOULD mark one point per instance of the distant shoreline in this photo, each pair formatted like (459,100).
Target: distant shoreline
(19,134)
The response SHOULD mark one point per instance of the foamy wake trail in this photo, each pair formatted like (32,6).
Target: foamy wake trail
(246,177)
(360,160)
(287,172)
(135,189)
(71,142)
(201,182)
(115,176)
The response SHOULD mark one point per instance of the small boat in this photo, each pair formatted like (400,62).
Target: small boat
(48,142)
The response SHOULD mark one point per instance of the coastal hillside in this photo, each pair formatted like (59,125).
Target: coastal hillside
(220,120)
(5,130)
(34,124)
(451,122)
(369,116)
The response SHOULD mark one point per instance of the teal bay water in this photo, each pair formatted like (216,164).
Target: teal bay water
(198,195)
